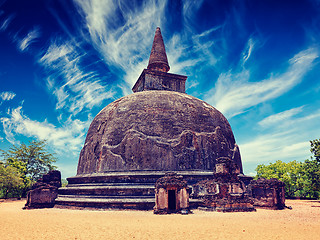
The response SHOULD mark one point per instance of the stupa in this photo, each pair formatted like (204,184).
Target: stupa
(139,138)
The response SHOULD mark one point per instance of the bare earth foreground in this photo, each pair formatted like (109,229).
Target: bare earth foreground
(302,222)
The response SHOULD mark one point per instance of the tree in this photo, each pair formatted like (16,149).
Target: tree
(312,171)
(30,162)
(290,173)
(302,179)
(315,149)
(311,186)
(11,182)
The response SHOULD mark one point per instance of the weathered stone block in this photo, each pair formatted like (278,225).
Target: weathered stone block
(42,197)
(221,168)
(44,191)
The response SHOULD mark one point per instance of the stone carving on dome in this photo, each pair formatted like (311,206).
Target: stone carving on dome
(157,130)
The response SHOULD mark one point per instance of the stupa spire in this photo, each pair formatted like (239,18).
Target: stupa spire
(156,76)
(158,58)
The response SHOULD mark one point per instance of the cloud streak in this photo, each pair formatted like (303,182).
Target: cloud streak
(74,89)
(189,11)
(276,146)
(234,93)
(123,44)
(67,138)
(29,39)
(6,23)
(247,53)
(279,118)
(289,120)
(287,137)
(6,96)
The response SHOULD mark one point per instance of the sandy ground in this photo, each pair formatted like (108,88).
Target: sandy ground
(302,222)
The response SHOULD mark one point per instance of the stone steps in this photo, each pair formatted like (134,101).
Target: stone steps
(96,202)
(105,203)
(117,190)
(87,198)
(102,197)
(87,186)
(135,177)
(108,190)
(108,184)
(107,195)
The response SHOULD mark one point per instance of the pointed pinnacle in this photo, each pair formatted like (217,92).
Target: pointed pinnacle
(158,58)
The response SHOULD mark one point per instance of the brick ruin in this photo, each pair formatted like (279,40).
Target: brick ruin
(267,193)
(224,192)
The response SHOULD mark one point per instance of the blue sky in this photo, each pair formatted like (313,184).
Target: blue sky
(257,62)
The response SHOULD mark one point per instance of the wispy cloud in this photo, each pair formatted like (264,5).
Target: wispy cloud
(29,39)
(202,44)
(55,52)
(123,44)
(289,120)
(69,137)
(184,56)
(235,87)
(6,96)
(179,52)
(189,11)
(4,25)
(287,138)
(75,89)
(277,146)
(247,53)
(281,117)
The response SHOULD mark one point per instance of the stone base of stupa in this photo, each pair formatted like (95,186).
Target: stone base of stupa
(119,190)
(229,204)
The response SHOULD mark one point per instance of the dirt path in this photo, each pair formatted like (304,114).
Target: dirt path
(303,222)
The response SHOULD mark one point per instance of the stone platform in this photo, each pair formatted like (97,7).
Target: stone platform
(119,190)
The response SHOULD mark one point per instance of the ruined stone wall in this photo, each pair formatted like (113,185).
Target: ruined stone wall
(268,193)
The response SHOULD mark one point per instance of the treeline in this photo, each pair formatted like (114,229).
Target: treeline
(302,179)
(21,166)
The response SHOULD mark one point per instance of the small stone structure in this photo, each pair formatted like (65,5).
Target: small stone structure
(171,195)
(225,192)
(44,191)
(267,193)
